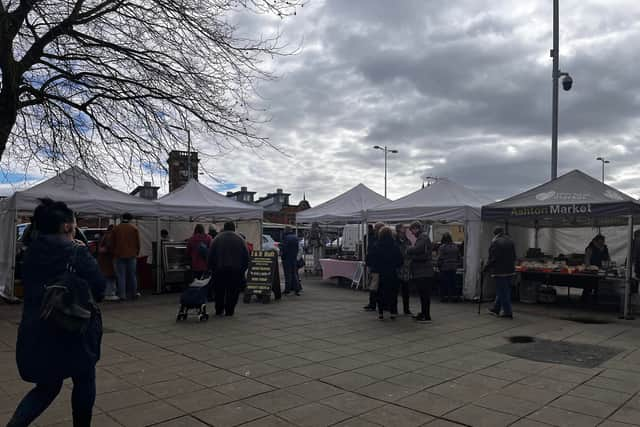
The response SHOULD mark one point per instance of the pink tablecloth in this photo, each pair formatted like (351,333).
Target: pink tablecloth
(338,268)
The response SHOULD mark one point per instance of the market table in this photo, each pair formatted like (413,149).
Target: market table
(564,278)
(338,268)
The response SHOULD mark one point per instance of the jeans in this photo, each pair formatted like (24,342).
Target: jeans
(291,279)
(110,289)
(126,274)
(42,395)
(503,295)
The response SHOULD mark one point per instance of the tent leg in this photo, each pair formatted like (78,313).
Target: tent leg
(158,257)
(627,287)
(11,295)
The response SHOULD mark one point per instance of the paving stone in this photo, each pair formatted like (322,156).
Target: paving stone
(146,414)
(442,423)
(503,374)
(349,380)
(526,422)
(386,391)
(380,371)
(198,400)
(346,363)
(624,386)
(316,371)
(481,417)
(283,379)
(628,415)
(172,388)
(216,378)
(529,393)
(482,382)
(255,370)
(351,403)
(562,418)
(243,389)
(270,421)
(600,394)
(318,355)
(229,415)
(585,406)
(507,404)
(313,415)
(314,390)
(391,415)
(459,392)
(548,384)
(186,421)
(415,380)
(109,402)
(288,362)
(275,401)
(356,422)
(430,403)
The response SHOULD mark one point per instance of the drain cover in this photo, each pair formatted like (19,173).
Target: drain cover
(562,352)
(521,339)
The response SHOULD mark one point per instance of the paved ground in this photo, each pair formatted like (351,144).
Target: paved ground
(318,360)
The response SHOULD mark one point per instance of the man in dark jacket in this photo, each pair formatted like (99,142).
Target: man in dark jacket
(228,262)
(502,266)
(289,254)
(422,273)
(371,242)
(404,272)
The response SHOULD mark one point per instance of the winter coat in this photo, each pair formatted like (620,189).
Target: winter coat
(228,251)
(289,248)
(421,257)
(126,241)
(502,256)
(596,256)
(105,255)
(385,258)
(45,354)
(198,262)
(448,257)
(404,272)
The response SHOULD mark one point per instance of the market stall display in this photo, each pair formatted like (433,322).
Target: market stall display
(447,202)
(572,200)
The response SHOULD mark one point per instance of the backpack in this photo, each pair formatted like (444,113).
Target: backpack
(203,250)
(63,306)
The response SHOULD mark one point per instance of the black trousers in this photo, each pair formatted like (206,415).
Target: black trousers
(447,284)
(404,290)
(226,288)
(388,295)
(37,400)
(423,286)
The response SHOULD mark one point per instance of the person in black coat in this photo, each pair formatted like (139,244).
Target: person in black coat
(385,259)
(45,355)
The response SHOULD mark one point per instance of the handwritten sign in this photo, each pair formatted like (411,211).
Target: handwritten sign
(263,273)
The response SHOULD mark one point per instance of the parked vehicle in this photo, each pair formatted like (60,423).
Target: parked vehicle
(93,236)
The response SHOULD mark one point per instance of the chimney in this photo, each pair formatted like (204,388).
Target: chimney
(243,189)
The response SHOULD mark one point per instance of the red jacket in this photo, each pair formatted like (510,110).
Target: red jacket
(198,263)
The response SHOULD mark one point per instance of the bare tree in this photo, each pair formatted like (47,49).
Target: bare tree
(105,83)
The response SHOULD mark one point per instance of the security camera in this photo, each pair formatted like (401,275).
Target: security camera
(567,82)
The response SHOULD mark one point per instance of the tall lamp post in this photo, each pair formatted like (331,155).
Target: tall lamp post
(386,150)
(567,82)
(604,162)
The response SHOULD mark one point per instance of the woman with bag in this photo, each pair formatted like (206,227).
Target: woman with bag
(198,250)
(385,259)
(422,269)
(448,260)
(61,328)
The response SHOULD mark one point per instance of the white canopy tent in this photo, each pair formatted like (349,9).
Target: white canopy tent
(82,193)
(348,208)
(195,200)
(448,202)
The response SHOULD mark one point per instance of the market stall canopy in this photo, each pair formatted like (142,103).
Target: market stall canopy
(571,200)
(444,200)
(349,207)
(82,193)
(195,200)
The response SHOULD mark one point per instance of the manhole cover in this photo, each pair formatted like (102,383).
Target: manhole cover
(521,339)
(587,320)
(562,352)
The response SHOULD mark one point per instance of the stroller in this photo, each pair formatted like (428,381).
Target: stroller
(195,298)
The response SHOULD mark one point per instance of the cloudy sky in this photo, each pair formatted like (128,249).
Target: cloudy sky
(462,89)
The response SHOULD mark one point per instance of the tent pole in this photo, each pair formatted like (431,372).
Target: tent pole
(12,275)
(158,257)
(627,287)
(465,248)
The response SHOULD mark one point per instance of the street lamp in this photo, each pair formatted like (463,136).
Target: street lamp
(567,82)
(386,150)
(604,161)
